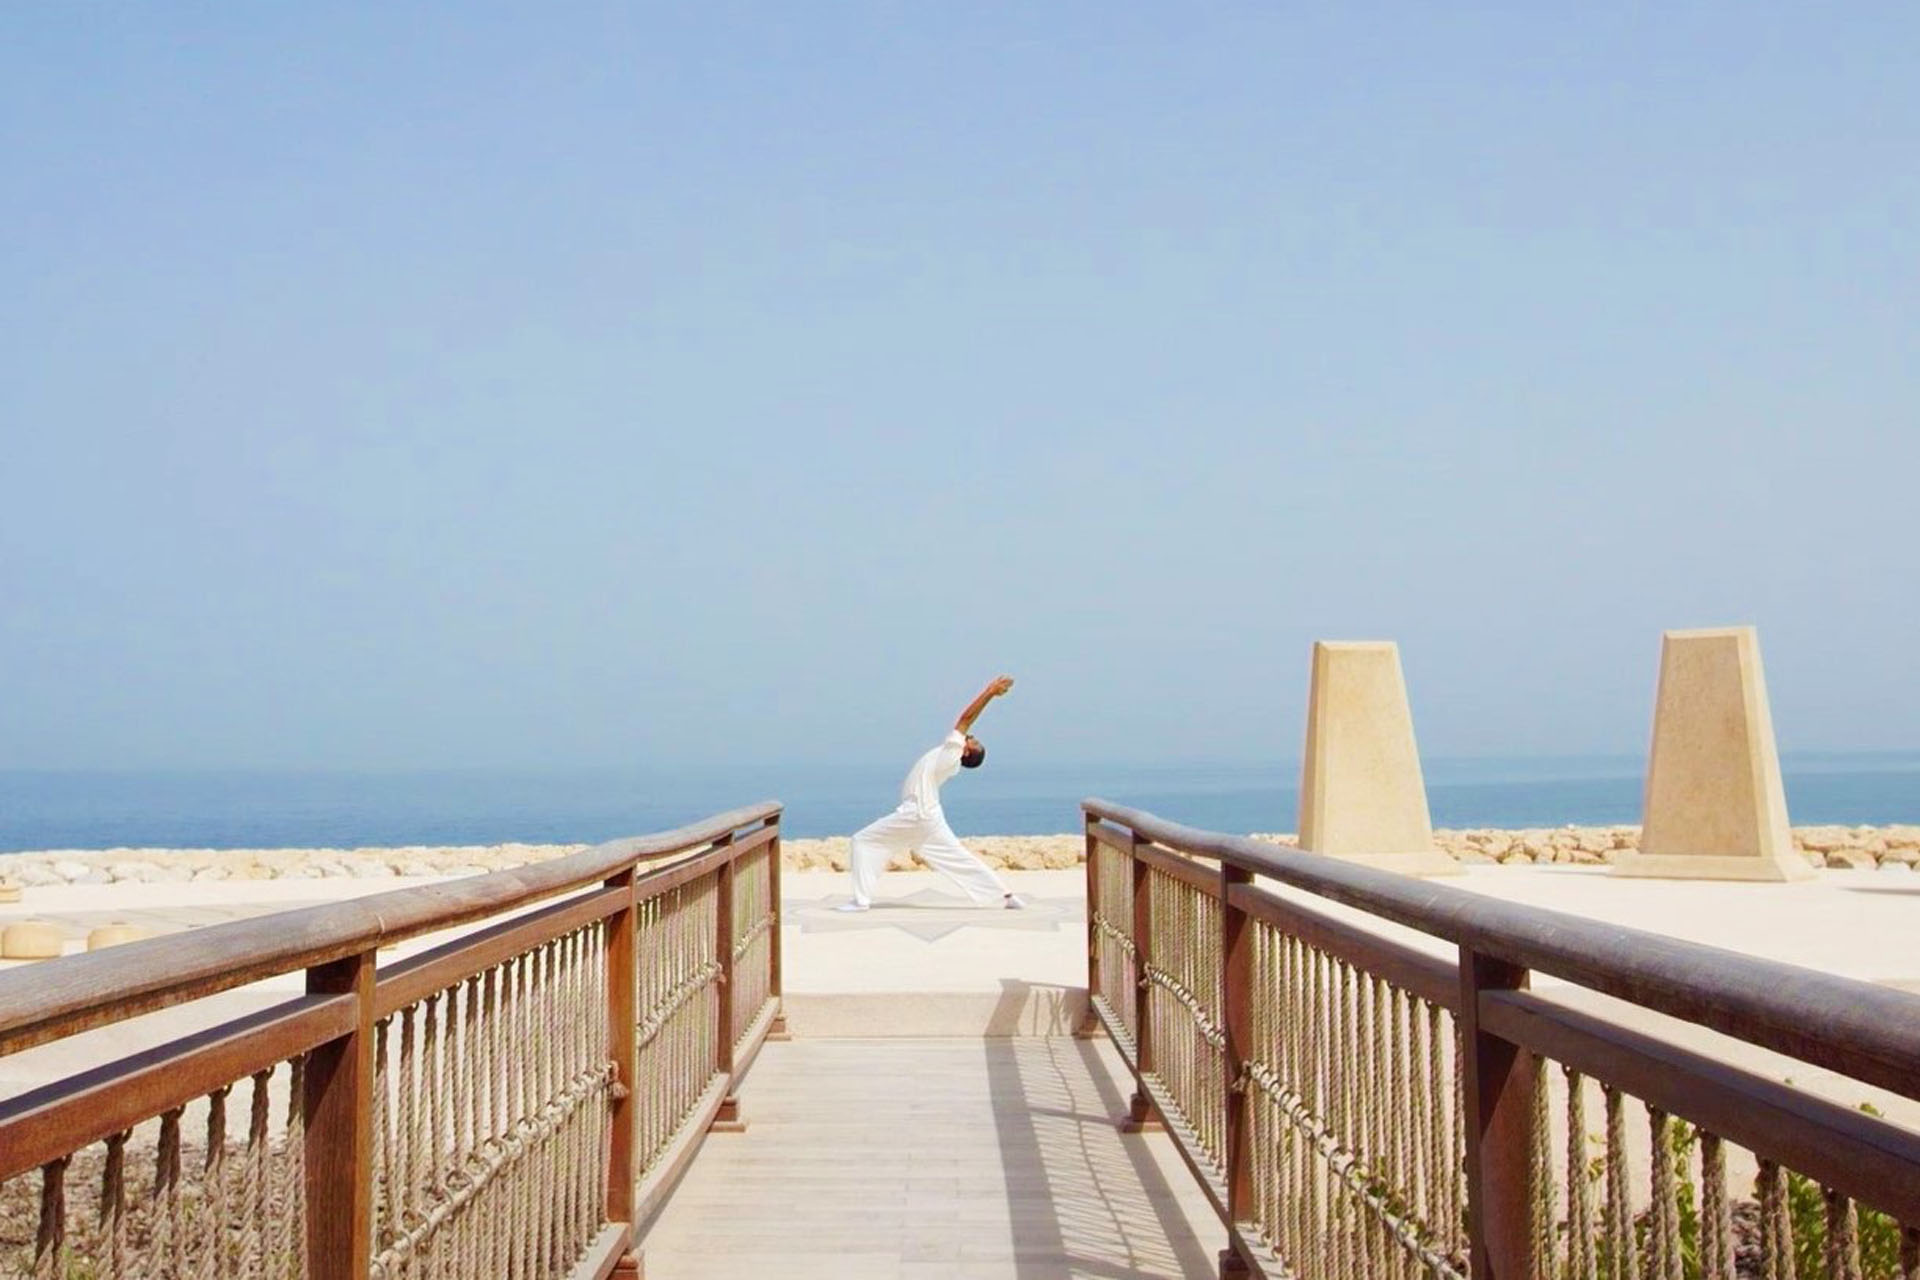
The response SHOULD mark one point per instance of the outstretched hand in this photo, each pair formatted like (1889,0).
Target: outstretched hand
(1000,685)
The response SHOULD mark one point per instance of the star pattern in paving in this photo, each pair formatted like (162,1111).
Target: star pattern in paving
(930,915)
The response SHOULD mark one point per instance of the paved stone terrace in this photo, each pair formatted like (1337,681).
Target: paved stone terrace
(921,1158)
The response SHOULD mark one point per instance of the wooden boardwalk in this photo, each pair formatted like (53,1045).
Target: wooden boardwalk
(957,1158)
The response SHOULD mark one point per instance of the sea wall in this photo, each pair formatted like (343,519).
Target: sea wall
(1823,846)
(173,866)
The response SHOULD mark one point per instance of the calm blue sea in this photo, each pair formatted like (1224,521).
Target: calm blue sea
(66,810)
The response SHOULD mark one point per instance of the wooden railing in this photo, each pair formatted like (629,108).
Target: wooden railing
(510,1102)
(1360,1105)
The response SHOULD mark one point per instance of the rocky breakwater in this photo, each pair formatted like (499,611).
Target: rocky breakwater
(1853,847)
(1857,848)
(1827,846)
(175,866)
(1861,848)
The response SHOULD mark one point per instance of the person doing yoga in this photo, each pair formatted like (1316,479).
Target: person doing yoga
(918,826)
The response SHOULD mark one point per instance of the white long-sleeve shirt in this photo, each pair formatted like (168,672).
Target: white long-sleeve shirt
(922,787)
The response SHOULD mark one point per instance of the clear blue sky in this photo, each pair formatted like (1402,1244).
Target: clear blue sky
(391,386)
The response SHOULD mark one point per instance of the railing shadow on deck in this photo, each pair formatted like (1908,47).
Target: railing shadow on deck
(1035,1009)
(1095,1209)
(1356,1104)
(512,1100)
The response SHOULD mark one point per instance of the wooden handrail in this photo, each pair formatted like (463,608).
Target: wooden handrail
(1506,1035)
(1850,1151)
(80,992)
(44,1123)
(417,977)
(1430,978)
(1868,1032)
(334,1039)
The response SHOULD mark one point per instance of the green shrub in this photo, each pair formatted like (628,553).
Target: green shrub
(1879,1234)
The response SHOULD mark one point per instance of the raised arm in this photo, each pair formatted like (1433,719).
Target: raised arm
(965,723)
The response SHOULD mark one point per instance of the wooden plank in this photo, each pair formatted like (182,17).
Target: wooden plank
(1425,976)
(64,1116)
(1236,1005)
(658,1184)
(1140,1113)
(430,972)
(622,1047)
(1092,866)
(724,984)
(603,1255)
(723,990)
(1167,1107)
(876,1190)
(1863,1157)
(652,884)
(45,1002)
(776,964)
(751,842)
(1185,870)
(1107,1018)
(1004,1174)
(1499,1095)
(1859,1029)
(752,1042)
(338,1109)
(1256,1255)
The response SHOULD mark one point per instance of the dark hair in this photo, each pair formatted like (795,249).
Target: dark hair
(972,756)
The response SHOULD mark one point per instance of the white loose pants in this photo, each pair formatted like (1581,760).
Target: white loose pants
(908,830)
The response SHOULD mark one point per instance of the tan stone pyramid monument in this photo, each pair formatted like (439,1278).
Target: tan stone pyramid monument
(1715,807)
(1362,796)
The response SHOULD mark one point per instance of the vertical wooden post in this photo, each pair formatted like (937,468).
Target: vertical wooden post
(1089,1026)
(337,1106)
(727,1119)
(1236,1009)
(1140,1114)
(777,1029)
(623,1048)
(1499,1089)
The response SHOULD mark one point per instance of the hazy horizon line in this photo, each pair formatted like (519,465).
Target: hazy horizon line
(1806,755)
